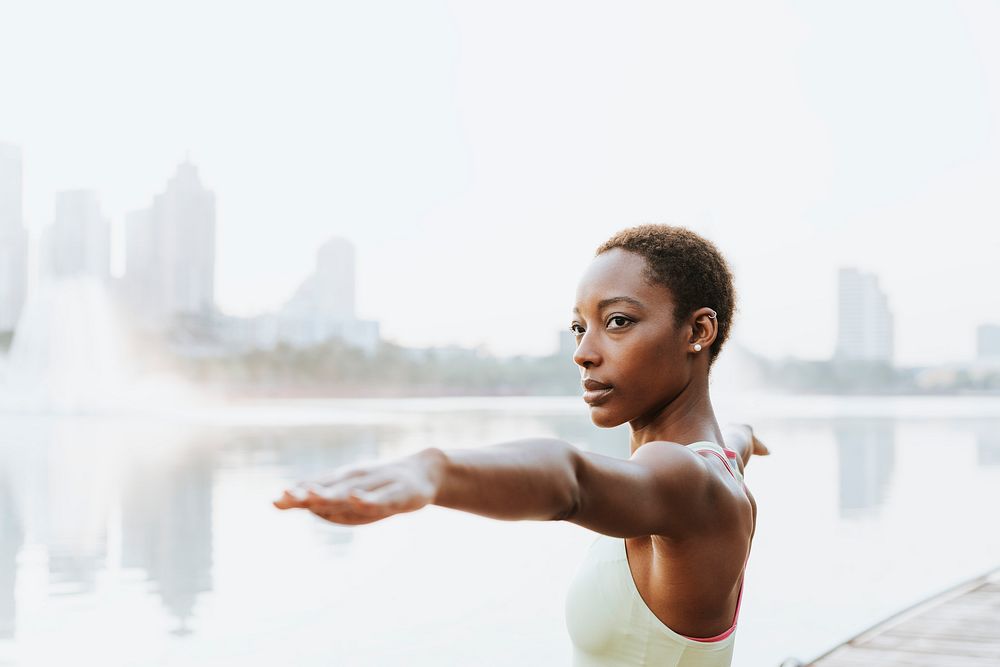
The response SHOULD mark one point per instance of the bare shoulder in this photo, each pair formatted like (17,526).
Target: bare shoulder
(701,483)
(674,465)
(683,480)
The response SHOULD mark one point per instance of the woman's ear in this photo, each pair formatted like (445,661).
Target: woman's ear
(704,329)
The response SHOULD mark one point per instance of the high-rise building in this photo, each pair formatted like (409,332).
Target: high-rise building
(13,238)
(864,322)
(170,250)
(141,285)
(78,243)
(335,279)
(323,306)
(988,342)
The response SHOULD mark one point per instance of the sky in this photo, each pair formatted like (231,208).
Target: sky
(477,153)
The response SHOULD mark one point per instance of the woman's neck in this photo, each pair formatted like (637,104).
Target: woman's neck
(688,418)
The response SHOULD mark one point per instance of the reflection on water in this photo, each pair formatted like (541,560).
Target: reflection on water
(163,536)
(11,539)
(866,455)
(988,448)
(166,520)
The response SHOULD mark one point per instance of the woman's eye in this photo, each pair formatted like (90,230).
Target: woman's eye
(623,321)
(576,329)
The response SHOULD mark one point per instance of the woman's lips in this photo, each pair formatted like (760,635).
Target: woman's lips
(597,396)
(595,392)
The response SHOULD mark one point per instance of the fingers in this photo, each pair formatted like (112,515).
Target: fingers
(350,517)
(364,506)
(335,486)
(342,490)
(291,498)
(357,507)
(358,494)
(351,501)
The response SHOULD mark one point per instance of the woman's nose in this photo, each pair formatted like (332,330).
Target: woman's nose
(586,354)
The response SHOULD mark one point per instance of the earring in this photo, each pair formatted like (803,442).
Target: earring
(697,347)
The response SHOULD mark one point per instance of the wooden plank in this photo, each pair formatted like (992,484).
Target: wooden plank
(969,604)
(921,608)
(937,645)
(983,630)
(958,628)
(956,610)
(991,587)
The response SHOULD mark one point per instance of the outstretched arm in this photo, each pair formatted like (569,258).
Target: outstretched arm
(660,490)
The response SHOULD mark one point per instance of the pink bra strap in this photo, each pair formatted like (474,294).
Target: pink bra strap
(726,463)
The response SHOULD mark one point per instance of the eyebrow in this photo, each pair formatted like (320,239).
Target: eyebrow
(615,299)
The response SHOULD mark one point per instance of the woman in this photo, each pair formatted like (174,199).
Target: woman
(663,581)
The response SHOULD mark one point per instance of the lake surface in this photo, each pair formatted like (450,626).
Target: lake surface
(151,539)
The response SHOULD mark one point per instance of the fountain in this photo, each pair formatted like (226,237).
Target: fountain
(68,354)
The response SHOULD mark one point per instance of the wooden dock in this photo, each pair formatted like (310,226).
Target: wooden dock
(958,628)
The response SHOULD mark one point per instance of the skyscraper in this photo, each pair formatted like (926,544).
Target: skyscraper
(141,284)
(988,342)
(78,243)
(13,238)
(323,306)
(864,322)
(335,277)
(170,250)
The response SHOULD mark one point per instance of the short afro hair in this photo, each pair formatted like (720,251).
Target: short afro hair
(690,266)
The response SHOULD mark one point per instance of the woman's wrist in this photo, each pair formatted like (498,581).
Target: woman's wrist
(434,463)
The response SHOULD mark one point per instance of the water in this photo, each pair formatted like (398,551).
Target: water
(152,540)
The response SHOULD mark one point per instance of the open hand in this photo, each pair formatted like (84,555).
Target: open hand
(363,493)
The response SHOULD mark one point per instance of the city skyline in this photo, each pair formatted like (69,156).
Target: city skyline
(168,286)
(182,218)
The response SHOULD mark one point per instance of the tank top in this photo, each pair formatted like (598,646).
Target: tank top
(609,623)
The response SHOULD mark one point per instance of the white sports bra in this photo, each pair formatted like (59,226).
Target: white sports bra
(609,623)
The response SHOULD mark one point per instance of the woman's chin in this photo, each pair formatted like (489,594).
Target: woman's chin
(604,418)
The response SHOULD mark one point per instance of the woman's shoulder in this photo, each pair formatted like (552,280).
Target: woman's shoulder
(708,481)
(732,499)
